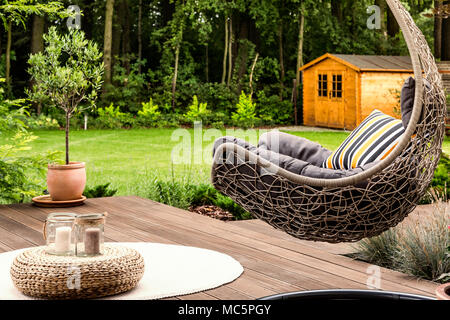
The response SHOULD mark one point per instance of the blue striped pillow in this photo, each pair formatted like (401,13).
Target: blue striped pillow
(371,141)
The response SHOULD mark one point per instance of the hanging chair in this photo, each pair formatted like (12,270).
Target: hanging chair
(362,205)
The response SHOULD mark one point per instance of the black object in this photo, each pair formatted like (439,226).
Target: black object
(345,294)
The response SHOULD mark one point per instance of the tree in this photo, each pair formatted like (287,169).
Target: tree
(16,12)
(67,84)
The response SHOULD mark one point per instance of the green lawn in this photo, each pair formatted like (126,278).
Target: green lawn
(130,158)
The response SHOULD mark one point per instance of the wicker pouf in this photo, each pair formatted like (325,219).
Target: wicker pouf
(41,275)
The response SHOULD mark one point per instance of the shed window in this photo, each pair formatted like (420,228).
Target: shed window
(336,91)
(323,85)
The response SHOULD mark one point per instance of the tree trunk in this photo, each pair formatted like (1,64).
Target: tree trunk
(126,45)
(299,60)
(8,60)
(336,10)
(67,136)
(281,56)
(445,49)
(1,36)
(37,45)
(116,35)
(242,56)
(225,51)
(382,5)
(206,63)
(251,74)
(437,32)
(37,42)
(175,71)
(230,54)
(140,36)
(108,40)
(393,27)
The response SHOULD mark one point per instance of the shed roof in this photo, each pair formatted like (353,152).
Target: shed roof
(368,62)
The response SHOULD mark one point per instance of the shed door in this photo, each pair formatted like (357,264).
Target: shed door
(330,99)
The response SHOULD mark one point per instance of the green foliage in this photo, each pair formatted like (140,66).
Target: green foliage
(129,87)
(182,194)
(149,115)
(197,111)
(68,72)
(245,115)
(206,194)
(418,248)
(112,118)
(99,191)
(41,122)
(273,111)
(22,175)
(440,183)
(18,10)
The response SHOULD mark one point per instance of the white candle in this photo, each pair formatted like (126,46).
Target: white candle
(62,239)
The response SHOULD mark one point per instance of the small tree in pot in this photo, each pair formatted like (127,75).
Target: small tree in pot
(67,74)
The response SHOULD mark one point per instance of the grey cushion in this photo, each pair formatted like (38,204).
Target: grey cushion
(407,100)
(292,145)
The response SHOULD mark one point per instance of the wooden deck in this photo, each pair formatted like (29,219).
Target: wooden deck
(273,261)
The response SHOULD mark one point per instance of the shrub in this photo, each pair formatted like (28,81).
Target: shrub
(440,182)
(197,111)
(149,115)
(205,194)
(419,249)
(41,122)
(128,87)
(245,115)
(99,191)
(273,111)
(112,118)
(22,175)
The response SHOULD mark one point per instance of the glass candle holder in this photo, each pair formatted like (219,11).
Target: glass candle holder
(90,234)
(59,234)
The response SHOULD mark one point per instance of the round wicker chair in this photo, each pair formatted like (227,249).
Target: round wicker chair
(351,208)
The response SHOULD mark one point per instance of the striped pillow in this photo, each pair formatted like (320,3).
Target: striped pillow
(371,141)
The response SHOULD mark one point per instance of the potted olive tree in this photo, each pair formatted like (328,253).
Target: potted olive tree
(67,74)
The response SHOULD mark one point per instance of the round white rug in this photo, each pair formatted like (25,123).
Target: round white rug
(170,270)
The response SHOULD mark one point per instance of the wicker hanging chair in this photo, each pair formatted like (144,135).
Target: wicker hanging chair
(351,208)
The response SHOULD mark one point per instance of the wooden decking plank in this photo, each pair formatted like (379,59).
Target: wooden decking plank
(344,272)
(359,266)
(13,241)
(197,296)
(227,293)
(197,240)
(274,261)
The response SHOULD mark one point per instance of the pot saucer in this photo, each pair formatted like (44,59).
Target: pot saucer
(47,202)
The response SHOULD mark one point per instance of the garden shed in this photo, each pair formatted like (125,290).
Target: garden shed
(340,90)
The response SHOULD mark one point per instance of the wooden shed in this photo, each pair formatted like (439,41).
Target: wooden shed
(340,90)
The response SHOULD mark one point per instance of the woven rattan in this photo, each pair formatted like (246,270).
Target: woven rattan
(40,275)
(363,205)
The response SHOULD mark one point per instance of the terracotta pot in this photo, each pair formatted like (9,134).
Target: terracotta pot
(66,181)
(443,291)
